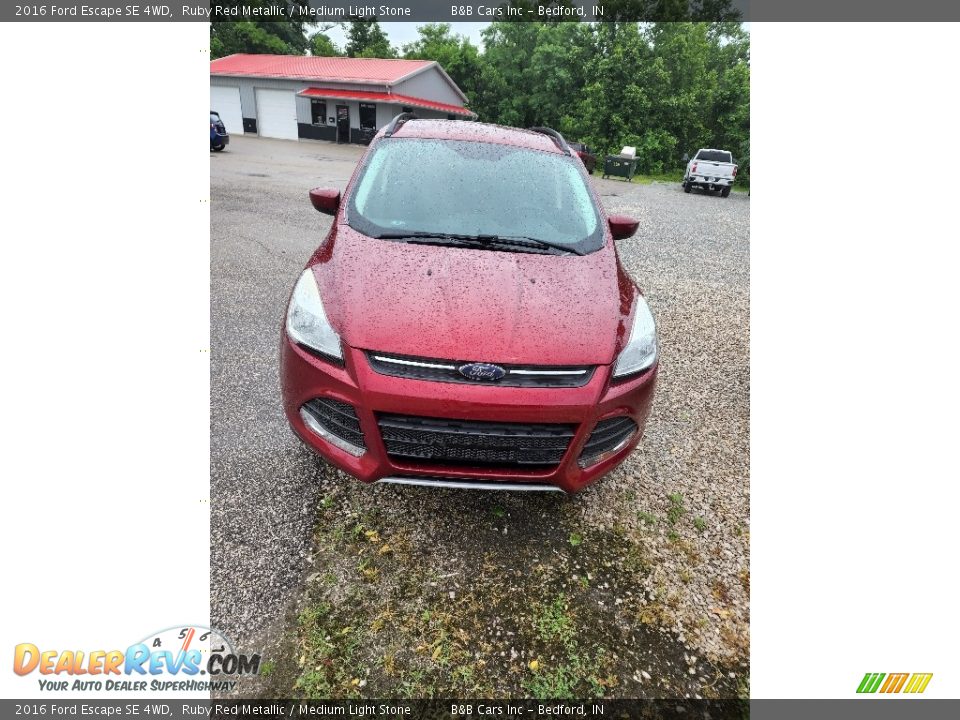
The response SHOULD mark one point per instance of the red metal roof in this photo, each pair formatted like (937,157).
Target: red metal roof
(334,94)
(340,69)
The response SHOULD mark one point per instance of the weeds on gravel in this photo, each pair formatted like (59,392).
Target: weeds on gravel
(573,670)
(554,622)
(563,681)
(327,662)
(700,524)
(646,518)
(676,509)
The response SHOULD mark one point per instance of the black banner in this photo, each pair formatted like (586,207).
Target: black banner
(317,11)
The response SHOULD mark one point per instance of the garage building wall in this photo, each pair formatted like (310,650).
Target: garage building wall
(429,84)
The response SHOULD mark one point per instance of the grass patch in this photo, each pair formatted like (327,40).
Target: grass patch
(646,518)
(565,670)
(674,176)
(575,539)
(700,524)
(565,680)
(267,667)
(667,177)
(676,509)
(327,662)
(554,622)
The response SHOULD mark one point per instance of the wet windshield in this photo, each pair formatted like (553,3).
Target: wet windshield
(475,189)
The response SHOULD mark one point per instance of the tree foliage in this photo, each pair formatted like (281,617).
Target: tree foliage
(456,54)
(366,39)
(275,37)
(322,46)
(665,88)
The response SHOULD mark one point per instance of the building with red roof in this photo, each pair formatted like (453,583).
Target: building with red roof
(328,98)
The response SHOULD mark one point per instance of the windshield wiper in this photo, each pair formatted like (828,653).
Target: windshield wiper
(460,239)
(522,241)
(427,238)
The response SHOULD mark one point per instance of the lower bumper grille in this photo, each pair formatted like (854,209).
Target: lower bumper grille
(474,442)
(608,435)
(337,418)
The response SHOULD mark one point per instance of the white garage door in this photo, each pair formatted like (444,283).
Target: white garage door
(277,114)
(226,101)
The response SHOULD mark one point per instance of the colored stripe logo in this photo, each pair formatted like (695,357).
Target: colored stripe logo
(894,682)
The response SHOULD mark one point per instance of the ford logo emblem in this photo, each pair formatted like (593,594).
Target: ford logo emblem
(482,371)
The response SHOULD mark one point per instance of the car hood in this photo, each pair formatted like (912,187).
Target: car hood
(463,304)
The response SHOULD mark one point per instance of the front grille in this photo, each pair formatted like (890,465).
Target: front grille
(474,442)
(338,418)
(533,376)
(607,435)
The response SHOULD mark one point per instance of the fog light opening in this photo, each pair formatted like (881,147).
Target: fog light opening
(311,422)
(586,462)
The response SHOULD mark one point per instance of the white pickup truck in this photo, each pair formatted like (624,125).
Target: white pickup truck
(710,170)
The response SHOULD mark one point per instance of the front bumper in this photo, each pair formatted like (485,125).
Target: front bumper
(305,377)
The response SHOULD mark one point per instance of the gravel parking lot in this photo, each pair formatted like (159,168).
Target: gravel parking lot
(637,587)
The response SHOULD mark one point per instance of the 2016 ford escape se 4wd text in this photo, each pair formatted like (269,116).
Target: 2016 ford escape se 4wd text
(466,322)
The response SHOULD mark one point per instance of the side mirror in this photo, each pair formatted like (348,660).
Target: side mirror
(622,226)
(325,200)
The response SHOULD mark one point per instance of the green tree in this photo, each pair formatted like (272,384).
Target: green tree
(277,37)
(322,46)
(666,88)
(506,78)
(456,54)
(365,38)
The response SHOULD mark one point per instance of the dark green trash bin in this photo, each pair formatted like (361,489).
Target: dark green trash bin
(620,166)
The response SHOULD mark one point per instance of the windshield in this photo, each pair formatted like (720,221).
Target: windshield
(478,189)
(714,156)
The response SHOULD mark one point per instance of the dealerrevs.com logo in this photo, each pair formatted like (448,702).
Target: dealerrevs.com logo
(910,683)
(181,658)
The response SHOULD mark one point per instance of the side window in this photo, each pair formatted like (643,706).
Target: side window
(318,112)
(368,116)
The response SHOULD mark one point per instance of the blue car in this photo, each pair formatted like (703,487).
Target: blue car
(218,133)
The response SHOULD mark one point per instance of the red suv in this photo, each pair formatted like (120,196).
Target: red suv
(466,322)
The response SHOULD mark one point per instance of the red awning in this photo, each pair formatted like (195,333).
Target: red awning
(333,94)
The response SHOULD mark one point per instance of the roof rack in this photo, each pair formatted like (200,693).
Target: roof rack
(398,122)
(557,138)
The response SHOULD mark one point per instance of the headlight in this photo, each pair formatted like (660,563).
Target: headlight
(307,323)
(641,349)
